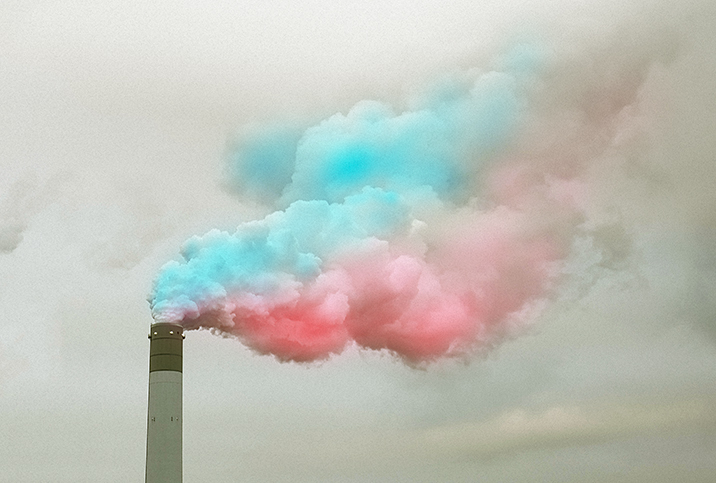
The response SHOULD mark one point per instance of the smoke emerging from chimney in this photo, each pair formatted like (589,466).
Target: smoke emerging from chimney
(429,232)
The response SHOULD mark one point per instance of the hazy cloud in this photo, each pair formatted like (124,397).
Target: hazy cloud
(22,200)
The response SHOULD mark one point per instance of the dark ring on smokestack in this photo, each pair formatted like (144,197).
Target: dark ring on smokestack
(165,351)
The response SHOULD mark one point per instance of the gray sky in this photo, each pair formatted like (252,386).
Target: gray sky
(115,122)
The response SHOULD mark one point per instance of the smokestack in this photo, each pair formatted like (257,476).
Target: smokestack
(164,416)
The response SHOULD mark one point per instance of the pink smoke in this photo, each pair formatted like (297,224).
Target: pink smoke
(443,296)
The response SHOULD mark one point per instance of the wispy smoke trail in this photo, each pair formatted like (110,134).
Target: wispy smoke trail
(428,232)
(23,200)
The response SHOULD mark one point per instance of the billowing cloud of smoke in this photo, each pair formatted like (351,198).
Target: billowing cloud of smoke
(429,232)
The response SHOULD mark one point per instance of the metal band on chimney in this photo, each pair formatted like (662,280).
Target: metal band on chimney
(165,352)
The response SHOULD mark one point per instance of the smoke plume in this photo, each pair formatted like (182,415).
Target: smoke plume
(431,231)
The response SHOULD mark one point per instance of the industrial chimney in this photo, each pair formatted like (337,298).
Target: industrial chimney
(164,416)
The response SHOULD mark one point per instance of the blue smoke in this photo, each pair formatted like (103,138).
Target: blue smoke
(262,256)
(439,145)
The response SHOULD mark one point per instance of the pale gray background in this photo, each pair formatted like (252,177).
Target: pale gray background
(114,121)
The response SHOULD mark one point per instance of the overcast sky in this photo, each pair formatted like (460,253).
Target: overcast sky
(115,122)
